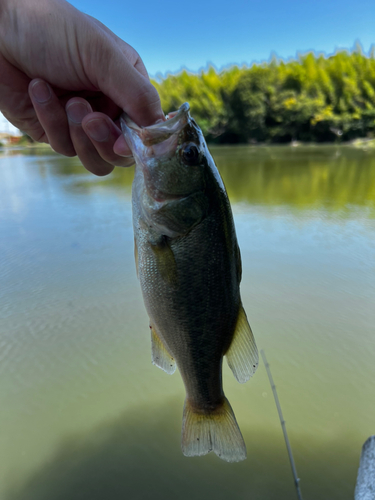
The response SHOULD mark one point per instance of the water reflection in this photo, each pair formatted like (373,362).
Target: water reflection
(305,177)
(134,457)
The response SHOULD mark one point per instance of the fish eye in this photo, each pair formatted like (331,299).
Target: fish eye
(190,154)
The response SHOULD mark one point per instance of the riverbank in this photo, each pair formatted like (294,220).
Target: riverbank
(361,143)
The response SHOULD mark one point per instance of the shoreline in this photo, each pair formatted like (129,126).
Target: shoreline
(367,143)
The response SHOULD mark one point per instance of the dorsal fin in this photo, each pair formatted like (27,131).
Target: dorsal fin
(242,355)
(159,354)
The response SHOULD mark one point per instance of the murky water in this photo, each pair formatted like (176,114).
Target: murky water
(84,415)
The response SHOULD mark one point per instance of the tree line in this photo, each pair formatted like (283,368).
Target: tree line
(314,98)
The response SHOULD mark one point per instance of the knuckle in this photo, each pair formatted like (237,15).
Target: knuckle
(38,135)
(32,127)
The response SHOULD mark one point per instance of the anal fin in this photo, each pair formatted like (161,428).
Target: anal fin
(160,355)
(242,355)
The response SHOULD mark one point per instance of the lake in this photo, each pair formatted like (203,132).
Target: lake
(84,415)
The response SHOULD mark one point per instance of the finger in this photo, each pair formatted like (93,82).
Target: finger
(103,104)
(139,66)
(121,147)
(125,85)
(133,56)
(103,134)
(76,109)
(15,103)
(52,117)
(129,52)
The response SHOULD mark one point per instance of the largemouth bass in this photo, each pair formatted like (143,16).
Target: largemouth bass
(189,267)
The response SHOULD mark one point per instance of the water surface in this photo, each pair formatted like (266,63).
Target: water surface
(84,414)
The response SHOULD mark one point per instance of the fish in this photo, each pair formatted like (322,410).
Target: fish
(189,267)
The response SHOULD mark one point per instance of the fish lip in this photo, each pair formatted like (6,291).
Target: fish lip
(140,139)
(171,126)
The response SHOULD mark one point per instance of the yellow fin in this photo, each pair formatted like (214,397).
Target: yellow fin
(160,355)
(215,431)
(165,261)
(242,355)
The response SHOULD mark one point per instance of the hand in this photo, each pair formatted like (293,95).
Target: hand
(65,79)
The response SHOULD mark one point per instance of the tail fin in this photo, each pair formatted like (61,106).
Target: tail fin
(217,431)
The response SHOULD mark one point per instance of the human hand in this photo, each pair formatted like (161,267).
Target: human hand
(65,79)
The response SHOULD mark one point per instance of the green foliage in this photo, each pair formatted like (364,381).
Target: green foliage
(202,91)
(314,98)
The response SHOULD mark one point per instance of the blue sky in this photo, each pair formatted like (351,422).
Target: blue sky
(170,34)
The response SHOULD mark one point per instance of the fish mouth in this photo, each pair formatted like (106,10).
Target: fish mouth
(159,139)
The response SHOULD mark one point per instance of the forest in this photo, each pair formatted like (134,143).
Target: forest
(315,98)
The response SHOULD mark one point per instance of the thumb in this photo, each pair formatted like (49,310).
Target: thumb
(120,79)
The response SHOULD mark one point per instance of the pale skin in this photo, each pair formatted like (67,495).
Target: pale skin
(65,79)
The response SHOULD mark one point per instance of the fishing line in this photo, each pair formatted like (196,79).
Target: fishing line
(282,421)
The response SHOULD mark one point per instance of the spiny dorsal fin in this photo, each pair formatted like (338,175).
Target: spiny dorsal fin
(242,355)
(159,354)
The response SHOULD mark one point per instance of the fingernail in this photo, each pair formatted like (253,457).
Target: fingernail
(76,112)
(41,91)
(97,129)
(121,151)
(121,148)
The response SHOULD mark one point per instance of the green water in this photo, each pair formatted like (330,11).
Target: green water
(84,415)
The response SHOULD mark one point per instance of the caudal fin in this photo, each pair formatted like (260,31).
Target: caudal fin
(217,431)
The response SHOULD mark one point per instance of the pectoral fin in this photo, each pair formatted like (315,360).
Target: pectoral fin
(242,355)
(165,261)
(160,355)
